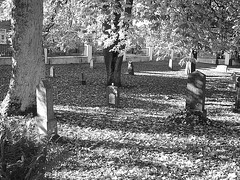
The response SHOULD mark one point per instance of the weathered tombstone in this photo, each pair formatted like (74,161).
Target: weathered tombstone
(52,71)
(46,122)
(234,79)
(196,87)
(82,79)
(188,67)
(170,64)
(130,68)
(91,63)
(236,107)
(113,96)
(227,58)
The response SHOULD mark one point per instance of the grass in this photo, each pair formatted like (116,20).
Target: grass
(141,139)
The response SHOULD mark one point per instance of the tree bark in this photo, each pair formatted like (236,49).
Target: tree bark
(27,62)
(112,59)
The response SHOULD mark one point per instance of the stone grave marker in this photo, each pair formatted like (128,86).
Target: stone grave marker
(46,122)
(234,79)
(91,63)
(236,107)
(196,87)
(130,68)
(82,79)
(170,64)
(52,71)
(113,96)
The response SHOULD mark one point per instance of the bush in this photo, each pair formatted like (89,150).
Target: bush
(22,155)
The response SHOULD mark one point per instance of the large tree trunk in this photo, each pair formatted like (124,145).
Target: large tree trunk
(113,64)
(112,59)
(27,63)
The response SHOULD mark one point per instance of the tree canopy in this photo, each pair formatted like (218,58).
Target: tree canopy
(165,24)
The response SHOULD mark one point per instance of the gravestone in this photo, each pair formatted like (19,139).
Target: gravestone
(82,79)
(234,79)
(170,64)
(188,68)
(130,68)
(91,63)
(113,96)
(196,87)
(52,71)
(46,121)
(236,107)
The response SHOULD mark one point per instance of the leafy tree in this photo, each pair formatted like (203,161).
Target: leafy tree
(27,61)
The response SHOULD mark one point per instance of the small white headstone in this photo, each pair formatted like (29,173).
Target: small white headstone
(91,64)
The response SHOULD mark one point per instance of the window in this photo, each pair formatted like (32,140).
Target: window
(3,38)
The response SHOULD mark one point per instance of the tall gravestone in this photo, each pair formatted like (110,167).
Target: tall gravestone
(46,122)
(113,96)
(196,87)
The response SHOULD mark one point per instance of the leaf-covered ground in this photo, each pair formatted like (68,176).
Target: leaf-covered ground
(141,139)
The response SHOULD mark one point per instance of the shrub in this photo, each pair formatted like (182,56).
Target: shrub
(22,155)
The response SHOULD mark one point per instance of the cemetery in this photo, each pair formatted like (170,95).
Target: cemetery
(99,126)
(115,90)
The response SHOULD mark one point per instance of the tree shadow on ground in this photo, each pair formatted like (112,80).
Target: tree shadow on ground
(135,123)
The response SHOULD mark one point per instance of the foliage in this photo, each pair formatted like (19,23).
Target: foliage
(166,25)
(22,156)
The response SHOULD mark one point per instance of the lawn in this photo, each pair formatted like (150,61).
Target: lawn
(140,139)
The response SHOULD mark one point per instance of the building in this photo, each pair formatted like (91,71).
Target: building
(5,27)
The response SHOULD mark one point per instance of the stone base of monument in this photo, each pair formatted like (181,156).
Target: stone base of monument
(113,96)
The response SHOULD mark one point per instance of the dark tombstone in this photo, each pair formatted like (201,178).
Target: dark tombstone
(46,122)
(113,96)
(196,86)
(194,53)
(236,107)
(234,79)
(130,68)
(193,65)
(82,79)
(52,71)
